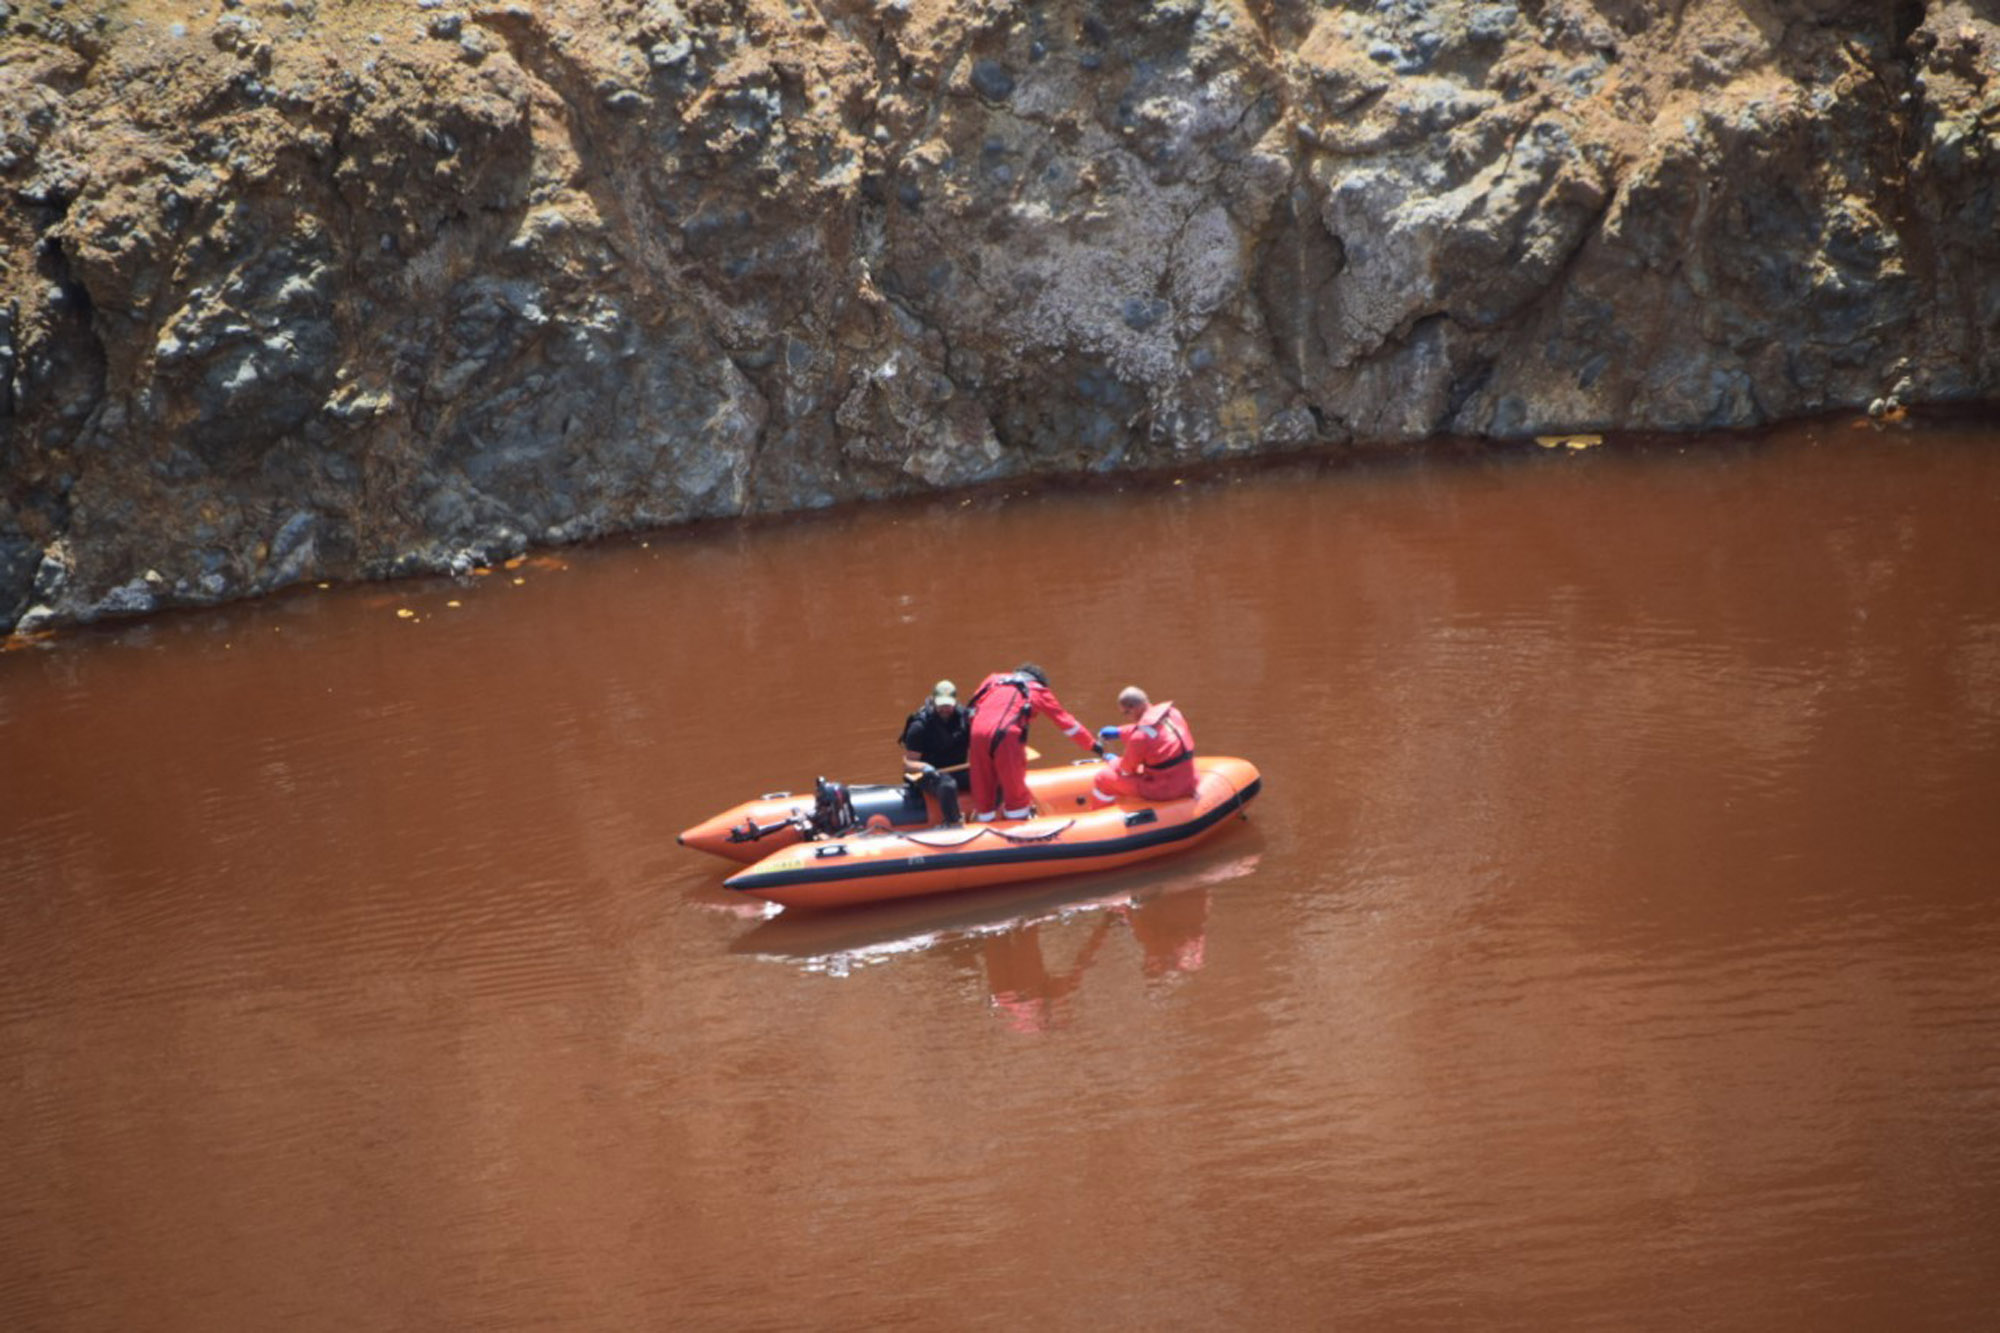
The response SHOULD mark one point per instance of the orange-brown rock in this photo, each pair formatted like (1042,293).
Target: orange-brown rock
(333,288)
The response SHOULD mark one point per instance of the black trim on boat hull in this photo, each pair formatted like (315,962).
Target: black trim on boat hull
(841,870)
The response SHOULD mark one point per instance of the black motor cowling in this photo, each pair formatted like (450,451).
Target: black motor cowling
(833,809)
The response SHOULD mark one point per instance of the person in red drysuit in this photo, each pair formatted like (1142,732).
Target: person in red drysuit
(1158,762)
(1001,708)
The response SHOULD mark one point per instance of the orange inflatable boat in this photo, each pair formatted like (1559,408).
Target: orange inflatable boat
(869,844)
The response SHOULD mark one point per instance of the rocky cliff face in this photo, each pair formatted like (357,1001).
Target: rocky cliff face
(332,288)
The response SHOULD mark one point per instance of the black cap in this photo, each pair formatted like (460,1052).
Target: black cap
(1030,669)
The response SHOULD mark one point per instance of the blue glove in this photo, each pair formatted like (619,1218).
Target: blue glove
(1108,733)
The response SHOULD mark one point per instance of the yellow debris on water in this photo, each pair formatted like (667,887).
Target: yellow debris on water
(405,613)
(1568,441)
(453,602)
(519,582)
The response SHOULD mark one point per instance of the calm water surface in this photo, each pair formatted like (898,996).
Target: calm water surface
(1615,943)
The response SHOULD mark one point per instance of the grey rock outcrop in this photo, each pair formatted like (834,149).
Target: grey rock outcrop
(315,290)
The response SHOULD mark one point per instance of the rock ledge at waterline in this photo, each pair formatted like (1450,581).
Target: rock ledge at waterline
(303,289)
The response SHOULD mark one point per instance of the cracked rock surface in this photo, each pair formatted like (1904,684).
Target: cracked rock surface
(302,289)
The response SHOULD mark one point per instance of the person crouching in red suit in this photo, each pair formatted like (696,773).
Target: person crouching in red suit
(1001,709)
(1158,762)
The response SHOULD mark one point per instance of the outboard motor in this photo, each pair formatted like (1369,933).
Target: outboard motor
(833,809)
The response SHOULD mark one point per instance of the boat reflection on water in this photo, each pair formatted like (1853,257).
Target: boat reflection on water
(1165,908)
(1170,925)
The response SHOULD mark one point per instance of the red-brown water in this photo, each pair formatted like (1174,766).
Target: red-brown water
(1615,943)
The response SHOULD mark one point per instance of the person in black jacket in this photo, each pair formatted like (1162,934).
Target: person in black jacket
(935,740)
